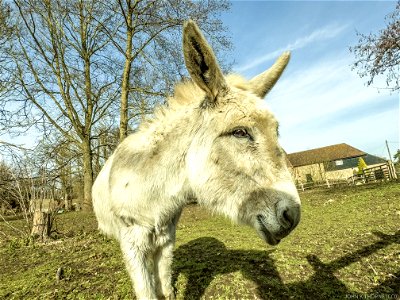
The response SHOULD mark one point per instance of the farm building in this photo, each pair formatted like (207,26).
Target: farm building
(332,163)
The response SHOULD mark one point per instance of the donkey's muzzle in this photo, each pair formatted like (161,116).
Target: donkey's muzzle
(286,219)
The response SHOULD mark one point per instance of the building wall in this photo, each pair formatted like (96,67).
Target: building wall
(340,175)
(316,172)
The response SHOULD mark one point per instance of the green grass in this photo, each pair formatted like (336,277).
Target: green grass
(347,246)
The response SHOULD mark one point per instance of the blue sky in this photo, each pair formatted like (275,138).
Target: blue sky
(319,100)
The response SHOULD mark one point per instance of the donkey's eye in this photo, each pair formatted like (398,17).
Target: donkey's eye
(241,133)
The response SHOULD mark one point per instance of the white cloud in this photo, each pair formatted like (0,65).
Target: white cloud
(367,134)
(318,35)
(322,89)
(328,104)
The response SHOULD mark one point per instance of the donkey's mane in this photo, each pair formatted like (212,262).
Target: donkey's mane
(188,94)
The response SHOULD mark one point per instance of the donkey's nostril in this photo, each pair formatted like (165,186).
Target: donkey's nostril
(287,218)
(290,217)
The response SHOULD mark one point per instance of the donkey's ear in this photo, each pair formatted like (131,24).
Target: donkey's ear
(201,62)
(264,82)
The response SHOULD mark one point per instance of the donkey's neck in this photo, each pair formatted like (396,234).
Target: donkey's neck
(169,134)
(149,167)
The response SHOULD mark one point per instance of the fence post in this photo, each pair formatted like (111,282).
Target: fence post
(327,183)
(392,171)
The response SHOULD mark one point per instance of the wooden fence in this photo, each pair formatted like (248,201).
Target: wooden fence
(384,172)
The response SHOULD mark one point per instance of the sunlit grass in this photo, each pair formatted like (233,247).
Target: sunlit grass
(347,244)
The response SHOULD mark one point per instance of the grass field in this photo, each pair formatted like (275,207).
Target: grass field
(347,246)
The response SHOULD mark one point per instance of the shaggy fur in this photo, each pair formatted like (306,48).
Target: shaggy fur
(215,141)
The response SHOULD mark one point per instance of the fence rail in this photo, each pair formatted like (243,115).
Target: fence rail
(384,172)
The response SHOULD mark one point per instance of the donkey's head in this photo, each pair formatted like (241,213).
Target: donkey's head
(234,161)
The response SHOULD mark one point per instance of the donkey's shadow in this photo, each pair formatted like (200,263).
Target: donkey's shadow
(204,258)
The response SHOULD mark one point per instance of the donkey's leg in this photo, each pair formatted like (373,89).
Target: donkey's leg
(137,248)
(163,272)
(165,241)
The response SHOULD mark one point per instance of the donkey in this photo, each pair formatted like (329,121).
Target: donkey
(215,141)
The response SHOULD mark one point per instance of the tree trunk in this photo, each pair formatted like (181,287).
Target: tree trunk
(123,125)
(41,224)
(68,204)
(87,175)
(67,200)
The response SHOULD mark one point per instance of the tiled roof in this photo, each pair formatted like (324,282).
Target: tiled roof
(324,154)
(353,162)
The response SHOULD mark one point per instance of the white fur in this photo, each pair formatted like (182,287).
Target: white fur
(191,149)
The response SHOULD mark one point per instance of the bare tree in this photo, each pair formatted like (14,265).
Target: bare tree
(73,66)
(14,202)
(6,30)
(7,199)
(65,159)
(106,141)
(29,190)
(149,41)
(6,27)
(61,79)
(379,54)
